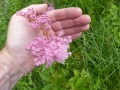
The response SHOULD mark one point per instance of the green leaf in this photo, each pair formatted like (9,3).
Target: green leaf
(47,87)
(45,76)
(72,81)
(76,72)
(58,87)
(30,82)
(82,80)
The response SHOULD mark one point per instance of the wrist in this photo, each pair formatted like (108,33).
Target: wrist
(10,72)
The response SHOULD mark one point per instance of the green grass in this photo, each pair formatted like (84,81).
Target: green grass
(95,63)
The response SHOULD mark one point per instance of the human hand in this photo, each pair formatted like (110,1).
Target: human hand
(70,21)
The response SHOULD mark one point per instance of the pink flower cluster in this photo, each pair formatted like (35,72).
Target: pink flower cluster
(46,50)
(40,22)
(50,50)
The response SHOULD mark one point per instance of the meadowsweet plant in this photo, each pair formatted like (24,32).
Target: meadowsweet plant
(46,49)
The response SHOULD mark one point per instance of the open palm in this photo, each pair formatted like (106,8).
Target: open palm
(68,20)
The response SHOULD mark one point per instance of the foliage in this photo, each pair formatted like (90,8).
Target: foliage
(94,64)
(112,18)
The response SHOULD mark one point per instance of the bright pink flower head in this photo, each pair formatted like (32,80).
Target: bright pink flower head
(50,50)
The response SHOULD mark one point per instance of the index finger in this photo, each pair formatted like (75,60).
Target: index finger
(66,13)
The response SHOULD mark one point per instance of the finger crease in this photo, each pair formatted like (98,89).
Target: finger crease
(54,19)
(60,25)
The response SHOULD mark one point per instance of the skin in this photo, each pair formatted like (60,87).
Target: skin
(15,60)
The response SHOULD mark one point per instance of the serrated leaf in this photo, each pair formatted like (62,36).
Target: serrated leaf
(72,81)
(81,81)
